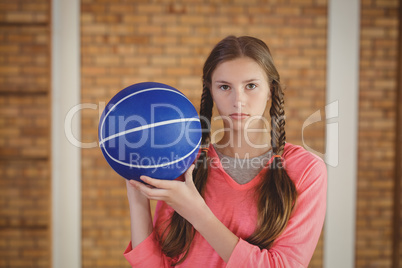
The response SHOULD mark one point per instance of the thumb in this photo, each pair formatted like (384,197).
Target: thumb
(188,176)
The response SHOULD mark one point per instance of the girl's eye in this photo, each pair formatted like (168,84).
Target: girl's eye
(224,87)
(251,86)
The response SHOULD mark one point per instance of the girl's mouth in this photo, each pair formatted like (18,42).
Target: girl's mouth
(239,116)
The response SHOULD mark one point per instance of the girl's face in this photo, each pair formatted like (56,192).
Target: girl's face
(240,91)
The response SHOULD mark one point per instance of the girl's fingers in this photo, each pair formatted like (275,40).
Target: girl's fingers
(150,192)
(137,184)
(133,183)
(161,184)
(150,181)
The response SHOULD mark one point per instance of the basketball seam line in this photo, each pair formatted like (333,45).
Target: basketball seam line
(147,127)
(135,93)
(155,166)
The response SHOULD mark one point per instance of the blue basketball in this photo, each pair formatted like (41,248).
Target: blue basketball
(149,129)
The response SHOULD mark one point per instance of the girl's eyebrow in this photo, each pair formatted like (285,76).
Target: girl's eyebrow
(252,80)
(246,81)
(221,82)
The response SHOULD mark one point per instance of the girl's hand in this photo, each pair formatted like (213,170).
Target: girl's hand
(185,199)
(182,196)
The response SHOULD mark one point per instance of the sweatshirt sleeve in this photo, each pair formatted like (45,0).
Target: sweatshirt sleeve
(295,246)
(149,253)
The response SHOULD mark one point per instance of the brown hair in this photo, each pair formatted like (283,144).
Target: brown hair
(276,194)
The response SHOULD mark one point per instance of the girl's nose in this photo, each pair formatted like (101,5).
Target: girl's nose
(239,98)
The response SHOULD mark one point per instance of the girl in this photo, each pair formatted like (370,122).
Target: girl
(252,200)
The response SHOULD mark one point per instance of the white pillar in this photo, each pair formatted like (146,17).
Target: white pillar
(66,166)
(342,86)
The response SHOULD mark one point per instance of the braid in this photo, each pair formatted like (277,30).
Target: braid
(277,113)
(201,170)
(206,114)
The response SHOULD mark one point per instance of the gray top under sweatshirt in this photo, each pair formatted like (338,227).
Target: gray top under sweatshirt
(243,170)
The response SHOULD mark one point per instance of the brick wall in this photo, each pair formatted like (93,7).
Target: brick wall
(378,80)
(25,133)
(127,42)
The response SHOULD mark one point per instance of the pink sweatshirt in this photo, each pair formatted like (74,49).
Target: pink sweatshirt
(234,205)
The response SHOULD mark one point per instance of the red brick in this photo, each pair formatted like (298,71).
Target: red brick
(288,10)
(150,8)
